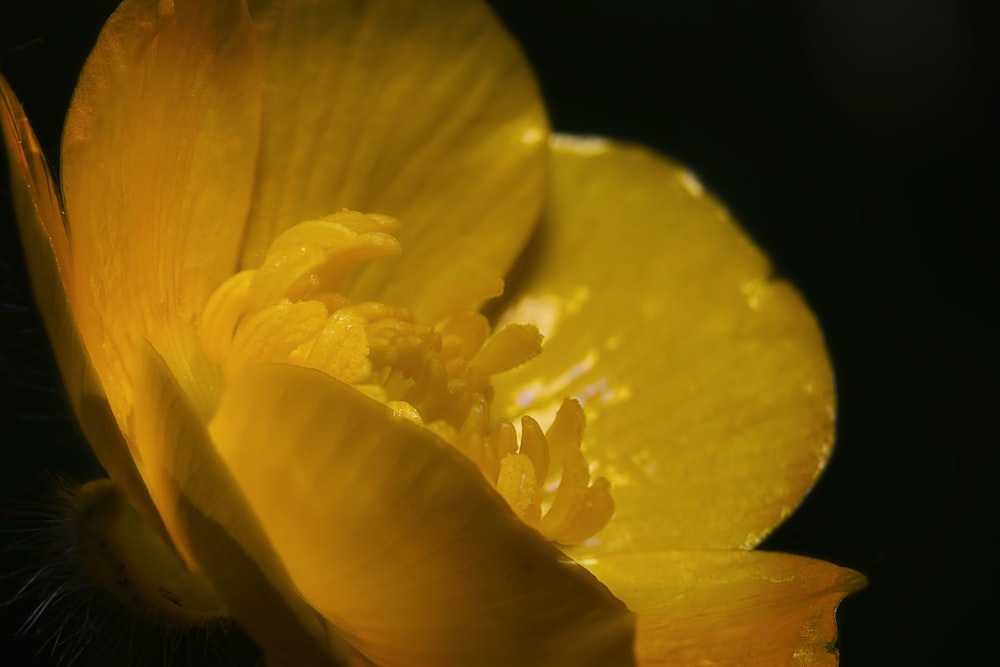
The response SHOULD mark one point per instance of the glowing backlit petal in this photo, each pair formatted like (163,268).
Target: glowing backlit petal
(707,389)
(754,609)
(46,248)
(398,540)
(424,110)
(215,529)
(157,167)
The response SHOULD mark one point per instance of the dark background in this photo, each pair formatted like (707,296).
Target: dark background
(857,142)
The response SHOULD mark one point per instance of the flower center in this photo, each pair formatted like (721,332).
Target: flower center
(432,366)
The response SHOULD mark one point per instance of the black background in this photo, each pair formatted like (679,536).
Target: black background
(857,142)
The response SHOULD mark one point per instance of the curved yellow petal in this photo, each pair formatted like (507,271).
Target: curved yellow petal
(399,541)
(157,168)
(46,249)
(707,388)
(216,531)
(730,608)
(425,110)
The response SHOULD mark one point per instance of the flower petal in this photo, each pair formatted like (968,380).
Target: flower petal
(707,388)
(216,531)
(425,110)
(157,165)
(46,248)
(397,538)
(730,608)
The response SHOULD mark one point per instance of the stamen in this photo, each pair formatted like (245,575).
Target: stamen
(510,348)
(549,469)
(519,486)
(535,446)
(340,348)
(434,369)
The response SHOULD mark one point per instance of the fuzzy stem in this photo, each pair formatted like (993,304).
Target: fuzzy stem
(122,552)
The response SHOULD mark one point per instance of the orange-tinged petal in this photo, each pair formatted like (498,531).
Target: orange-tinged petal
(397,538)
(46,248)
(730,608)
(707,387)
(425,110)
(157,165)
(216,531)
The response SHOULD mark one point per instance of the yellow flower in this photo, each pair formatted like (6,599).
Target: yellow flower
(331,444)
